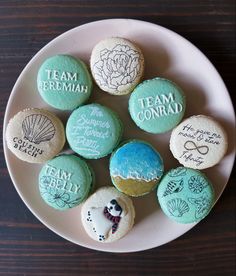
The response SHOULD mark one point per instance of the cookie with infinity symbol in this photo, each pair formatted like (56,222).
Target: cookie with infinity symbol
(199,142)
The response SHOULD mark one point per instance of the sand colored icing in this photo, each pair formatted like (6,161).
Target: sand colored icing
(134,187)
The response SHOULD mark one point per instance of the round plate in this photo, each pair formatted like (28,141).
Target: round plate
(166,55)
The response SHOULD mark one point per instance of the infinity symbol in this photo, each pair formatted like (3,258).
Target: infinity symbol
(189,145)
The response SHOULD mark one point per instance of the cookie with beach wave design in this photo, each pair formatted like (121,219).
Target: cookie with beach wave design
(136,168)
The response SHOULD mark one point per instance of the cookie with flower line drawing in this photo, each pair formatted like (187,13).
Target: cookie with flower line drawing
(65,181)
(117,65)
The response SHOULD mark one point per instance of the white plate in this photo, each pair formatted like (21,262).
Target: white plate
(166,54)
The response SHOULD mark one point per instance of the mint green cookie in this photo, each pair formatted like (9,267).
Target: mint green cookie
(64,82)
(65,181)
(157,105)
(185,195)
(93,131)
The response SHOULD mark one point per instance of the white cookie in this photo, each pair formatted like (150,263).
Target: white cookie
(117,65)
(35,135)
(199,142)
(107,215)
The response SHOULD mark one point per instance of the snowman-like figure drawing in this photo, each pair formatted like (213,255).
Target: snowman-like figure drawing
(105,218)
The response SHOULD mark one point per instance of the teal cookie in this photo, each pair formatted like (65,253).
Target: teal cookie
(157,105)
(64,82)
(135,168)
(65,181)
(185,195)
(93,131)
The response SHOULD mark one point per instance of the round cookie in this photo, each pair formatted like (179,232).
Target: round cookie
(35,135)
(199,142)
(117,65)
(107,215)
(93,131)
(157,105)
(64,82)
(135,168)
(185,195)
(65,181)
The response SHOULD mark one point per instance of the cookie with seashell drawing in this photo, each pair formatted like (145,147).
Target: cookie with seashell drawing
(35,135)
(185,195)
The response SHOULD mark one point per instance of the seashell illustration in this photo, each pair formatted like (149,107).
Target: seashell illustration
(196,184)
(202,205)
(174,186)
(38,128)
(177,207)
(180,171)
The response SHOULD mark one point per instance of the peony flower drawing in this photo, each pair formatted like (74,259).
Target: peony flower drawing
(117,67)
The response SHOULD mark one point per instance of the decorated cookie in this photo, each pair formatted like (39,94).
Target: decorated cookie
(157,105)
(185,195)
(107,215)
(93,131)
(136,168)
(199,142)
(117,65)
(64,82)
(65,181)
(35,135)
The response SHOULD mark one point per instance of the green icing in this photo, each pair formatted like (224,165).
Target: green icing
(65,181)
(93,131)
(185,195)
(157,105)
(64,82)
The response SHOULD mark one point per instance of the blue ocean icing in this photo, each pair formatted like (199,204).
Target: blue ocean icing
(136,160)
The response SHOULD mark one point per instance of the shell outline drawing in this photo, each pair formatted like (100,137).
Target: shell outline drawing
(177,207)
(38,128)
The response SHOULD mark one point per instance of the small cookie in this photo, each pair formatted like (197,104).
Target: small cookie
(117,65)
(65,181)
(185,195)
(135,168)
(35,135)
(64,82)
(199,142)
(107,215)
(157,105)
(93,131)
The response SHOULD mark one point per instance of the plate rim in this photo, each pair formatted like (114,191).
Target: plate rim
(5,149)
